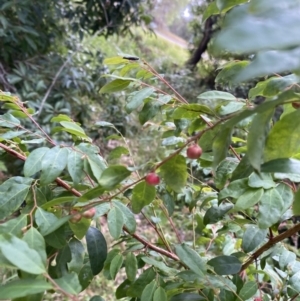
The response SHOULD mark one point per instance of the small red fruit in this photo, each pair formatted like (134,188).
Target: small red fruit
(296,105)
(89,213)
(194,151)
(152,179)
(76,216)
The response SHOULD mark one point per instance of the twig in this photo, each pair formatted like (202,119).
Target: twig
(271,243)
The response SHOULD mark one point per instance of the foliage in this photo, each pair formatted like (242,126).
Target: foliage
(225,244)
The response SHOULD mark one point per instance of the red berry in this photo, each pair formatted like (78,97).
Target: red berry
(194,151)
(89,213)
(76,216)
(152,179)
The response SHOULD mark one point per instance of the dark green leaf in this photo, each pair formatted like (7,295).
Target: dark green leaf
(262,180)
(131,266)
(21,255)
(142,195)
(216,213)
(253,237)
(115,222)
(174,172)
(75,166)
(115,265)
(248,199)
(36,241)
(129,219)
(97,249)
(187,297)
(149,110)
(257,136)
(92,194)
(270,209)
(69,283)
(223,172)
(148,292)
(234,189)
(23,287)
(225,265)
(160,295)
(282,166)
(191,259)
(190,111)
(115,86)
(221,144)
(12,194)
(113,175)
(54,162)
(117,152)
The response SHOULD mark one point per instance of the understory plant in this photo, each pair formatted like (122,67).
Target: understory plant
(218,200)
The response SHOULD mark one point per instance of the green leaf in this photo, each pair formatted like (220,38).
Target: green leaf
(262,180)
(190,111)
(21,255)
(191,259)
(138,99)
(69,283)
(276,32)
(73,128)
(13,192)
(80,228)
(116,60)
(60,117)
(142,195)
(187,297)
(221,144)
(248,199)
(77,253)
(160,295)
(148,292)
(257,137)
(210,10)
(136,288)
(115,86)
(131,266)
(216,95)
(243,170)
(58,201)
(215,213)
(225,5)
(225,265)
(14,226)
(54,162)
(286,258)
(113,175)
(149,110)
(75,166)
(234,189)
(296,203)
(284,138)
(36,241)
(160,265)
(115,222)
(97,298)
(23,287)
(9,121)
(282,166)
(92,194)
(294,282)
(270,209)
(11,134)
(229,72)
(253,237)
(97,249)
(115,266)
(129,220)
(174,172)
(117,152)
(48,222)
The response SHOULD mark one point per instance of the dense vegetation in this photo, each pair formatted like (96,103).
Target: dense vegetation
(217,188)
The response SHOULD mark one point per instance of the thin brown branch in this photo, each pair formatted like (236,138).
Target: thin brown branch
(271,243)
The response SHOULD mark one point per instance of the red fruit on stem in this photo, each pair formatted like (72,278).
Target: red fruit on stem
(89,213)
(194,151)
(76,216)
(152,179)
